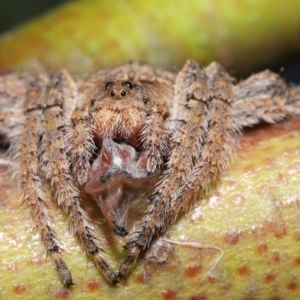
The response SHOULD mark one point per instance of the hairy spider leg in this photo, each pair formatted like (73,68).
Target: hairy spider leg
(56,166)
(189,122)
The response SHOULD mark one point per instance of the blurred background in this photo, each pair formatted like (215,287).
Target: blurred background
(86,35)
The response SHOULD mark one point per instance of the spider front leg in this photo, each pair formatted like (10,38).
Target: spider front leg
(26,149)
(219,143)
(55,164)
(200,109)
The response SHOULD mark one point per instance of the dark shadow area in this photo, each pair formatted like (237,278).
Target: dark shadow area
(291,72)
(15,12)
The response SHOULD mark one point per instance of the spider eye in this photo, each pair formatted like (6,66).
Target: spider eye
(112,93)
(93,101)
(109,85)
(127,84)
(145,100)
(123,93)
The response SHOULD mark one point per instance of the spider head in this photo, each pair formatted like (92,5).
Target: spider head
(119,111)
(126,91)
(119,90)
(121,97)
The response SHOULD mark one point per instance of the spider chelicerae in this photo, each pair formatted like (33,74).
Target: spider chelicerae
(128,131)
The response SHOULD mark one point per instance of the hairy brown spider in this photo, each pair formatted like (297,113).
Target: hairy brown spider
(128,131)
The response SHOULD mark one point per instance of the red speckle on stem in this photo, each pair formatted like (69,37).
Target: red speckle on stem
(19,289)
(262,248)
(297,261)
(270,278)
(297,236)
(93,285)
(232,238)
(276,257)
(200,297)
(169,295)
(279,231)
(244,270)
(292,286)
(192,271)
(141,279)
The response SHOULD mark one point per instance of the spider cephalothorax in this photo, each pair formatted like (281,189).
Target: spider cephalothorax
(129,130)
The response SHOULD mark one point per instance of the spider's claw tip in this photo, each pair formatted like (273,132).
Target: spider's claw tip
(122,231)
(69,283)
(115,281)
(120,277)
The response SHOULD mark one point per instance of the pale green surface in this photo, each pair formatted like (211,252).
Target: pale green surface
(252,215)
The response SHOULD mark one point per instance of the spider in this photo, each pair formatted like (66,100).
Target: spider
(131,130)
